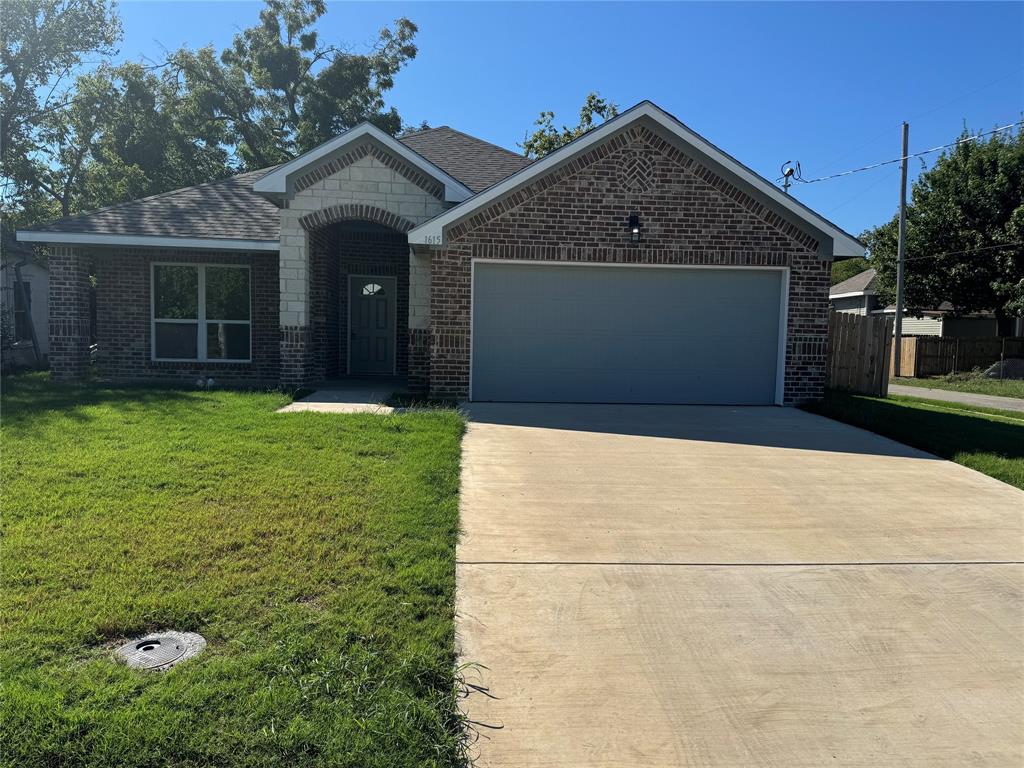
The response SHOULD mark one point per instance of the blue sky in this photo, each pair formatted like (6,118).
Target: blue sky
(826,84)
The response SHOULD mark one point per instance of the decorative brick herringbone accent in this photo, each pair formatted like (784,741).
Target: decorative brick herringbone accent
(354,212)
(426,183)
(636,173)
(689,214)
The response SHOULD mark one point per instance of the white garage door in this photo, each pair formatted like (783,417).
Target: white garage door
(620,334)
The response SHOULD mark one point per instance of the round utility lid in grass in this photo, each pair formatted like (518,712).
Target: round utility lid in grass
(161,650)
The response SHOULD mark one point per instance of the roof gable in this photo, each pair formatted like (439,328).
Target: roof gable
(433,232)
(281,181)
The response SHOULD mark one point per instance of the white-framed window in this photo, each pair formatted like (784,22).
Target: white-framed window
(201,312)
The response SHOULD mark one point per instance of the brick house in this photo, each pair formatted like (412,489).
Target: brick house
(639,263)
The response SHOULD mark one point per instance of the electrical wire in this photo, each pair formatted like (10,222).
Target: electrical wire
(956,253)
(863,192)
(1015,73)
(915,154)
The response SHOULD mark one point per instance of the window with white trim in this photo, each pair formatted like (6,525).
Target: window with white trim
(201,312)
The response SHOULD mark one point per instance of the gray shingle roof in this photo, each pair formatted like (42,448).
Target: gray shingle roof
(219,209)
(475,162)
(230,209)
(862,281)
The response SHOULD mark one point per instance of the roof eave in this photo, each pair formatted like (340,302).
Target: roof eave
(145,241)
(275,183)
(850,294)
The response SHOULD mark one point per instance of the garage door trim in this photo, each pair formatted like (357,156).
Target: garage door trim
(780,367)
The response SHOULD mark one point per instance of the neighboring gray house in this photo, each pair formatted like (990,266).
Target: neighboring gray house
(37,287)
(857,295)
(636,264)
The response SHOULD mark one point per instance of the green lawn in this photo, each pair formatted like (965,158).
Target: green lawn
(314,552)
(984,439)
(969,382)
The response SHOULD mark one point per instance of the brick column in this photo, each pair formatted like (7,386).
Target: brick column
(69,313)
(419,322)
(298,365)
(297,358)
(419,361)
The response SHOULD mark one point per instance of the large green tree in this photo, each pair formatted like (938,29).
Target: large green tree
(79,132)
(280,90)
(965,230)
(547,138)
(844,269)
(44,45)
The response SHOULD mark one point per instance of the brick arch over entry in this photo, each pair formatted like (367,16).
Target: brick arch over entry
(352,212)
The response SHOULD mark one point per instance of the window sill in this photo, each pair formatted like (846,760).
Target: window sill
(195,361)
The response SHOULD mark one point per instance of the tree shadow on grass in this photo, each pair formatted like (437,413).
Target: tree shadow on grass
(27,397)
(945,433)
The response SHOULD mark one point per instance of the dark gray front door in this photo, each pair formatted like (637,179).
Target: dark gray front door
(371,325)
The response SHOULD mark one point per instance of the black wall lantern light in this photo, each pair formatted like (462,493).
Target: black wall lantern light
(634,228)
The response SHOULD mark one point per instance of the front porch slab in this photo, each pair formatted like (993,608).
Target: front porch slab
(350,396)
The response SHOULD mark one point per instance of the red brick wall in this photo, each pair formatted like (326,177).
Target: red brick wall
(68,303)
(579,212)
(324,302)
(123,318)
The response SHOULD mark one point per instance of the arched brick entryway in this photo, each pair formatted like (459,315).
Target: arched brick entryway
(355,212)
(346,243)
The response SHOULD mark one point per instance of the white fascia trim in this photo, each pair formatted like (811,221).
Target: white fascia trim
(276,182)
(144,241)
(432,232)
(850,295)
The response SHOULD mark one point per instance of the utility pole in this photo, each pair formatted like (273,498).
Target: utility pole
(900,255)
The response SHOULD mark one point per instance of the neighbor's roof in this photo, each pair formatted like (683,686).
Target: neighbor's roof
(476,163)
(230,213)
(862,282)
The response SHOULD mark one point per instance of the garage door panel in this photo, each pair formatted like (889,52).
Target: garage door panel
(624,334)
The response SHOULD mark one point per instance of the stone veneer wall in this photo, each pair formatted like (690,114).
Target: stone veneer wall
(364,183)
(123,314)
(579,212)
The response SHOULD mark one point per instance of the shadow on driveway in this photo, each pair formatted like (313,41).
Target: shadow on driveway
(768,426)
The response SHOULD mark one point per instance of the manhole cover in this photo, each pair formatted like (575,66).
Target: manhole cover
(161,650)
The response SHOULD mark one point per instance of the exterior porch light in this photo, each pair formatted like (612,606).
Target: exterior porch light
(634,227)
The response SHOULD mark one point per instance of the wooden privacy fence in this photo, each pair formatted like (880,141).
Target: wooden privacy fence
(936,356)
(859,348)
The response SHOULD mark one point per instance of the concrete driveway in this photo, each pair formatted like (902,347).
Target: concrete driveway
(690,586)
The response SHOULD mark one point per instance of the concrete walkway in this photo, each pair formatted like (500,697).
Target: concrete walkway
(689,586)
(985,401)
(349,396)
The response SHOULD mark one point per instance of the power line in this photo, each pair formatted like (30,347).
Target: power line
(863,192)
(915,154)
(969,250)
(1014,73)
